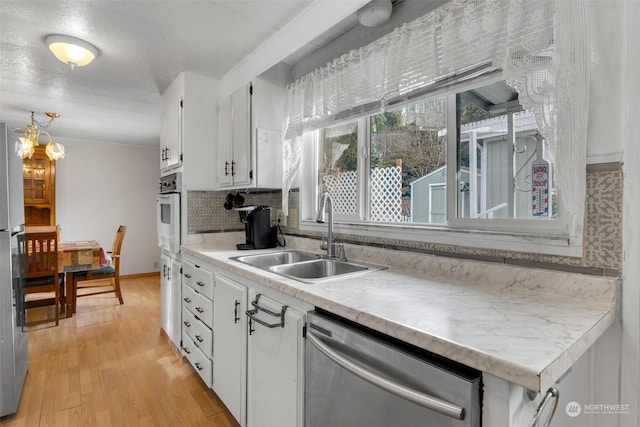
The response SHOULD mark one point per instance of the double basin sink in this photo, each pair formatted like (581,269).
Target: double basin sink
(305,266)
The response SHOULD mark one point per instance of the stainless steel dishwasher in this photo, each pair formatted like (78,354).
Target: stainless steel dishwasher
(357,377)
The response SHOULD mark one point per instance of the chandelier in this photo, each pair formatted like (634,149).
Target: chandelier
(26,144)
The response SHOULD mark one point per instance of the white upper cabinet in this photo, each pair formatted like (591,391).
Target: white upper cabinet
(171,133)
(188,139)
(234,148)
(250,136)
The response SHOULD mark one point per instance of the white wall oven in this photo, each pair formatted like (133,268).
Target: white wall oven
(168,218)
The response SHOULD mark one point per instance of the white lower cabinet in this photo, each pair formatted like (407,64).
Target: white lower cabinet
(275,370)
(170,291)
(197,318)
(230,348)
(246,342)
(258,349)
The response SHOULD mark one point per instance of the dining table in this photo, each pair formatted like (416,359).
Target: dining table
(74,256)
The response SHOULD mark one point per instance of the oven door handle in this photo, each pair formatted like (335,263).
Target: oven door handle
(430,402)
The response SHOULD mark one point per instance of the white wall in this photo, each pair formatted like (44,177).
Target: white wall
(605,133)
(610,372)
(630,374)
(102,185)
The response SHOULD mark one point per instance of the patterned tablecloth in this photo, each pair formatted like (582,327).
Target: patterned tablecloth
(81,256)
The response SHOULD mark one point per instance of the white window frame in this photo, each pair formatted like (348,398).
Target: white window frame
(542,236)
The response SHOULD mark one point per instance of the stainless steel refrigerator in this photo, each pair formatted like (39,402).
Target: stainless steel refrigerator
(13,333)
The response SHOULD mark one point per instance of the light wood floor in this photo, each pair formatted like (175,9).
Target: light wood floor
(110,365)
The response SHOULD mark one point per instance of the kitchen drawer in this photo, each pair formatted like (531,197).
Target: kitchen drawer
(201,335)
(198,304)
(198,278)
(198,360)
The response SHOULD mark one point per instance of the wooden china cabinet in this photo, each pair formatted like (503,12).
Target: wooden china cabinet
(39,180)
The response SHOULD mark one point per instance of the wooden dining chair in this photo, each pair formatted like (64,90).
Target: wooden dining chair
(96,278)
(42,270)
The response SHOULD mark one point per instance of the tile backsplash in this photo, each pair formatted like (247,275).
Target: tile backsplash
(602,238)
(206,212)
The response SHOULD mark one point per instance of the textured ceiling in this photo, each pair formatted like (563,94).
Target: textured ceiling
(143,46)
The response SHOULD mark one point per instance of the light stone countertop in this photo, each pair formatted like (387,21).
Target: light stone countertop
(525,325)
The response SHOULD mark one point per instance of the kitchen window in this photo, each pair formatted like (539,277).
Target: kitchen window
(388,173)
(497,188)
(403,158)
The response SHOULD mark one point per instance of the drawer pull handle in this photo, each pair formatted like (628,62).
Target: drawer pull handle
(187,324)
(199,338)
(199,283)
(200,310)
(187,275)
(198,366)
(186,350)
(187,300)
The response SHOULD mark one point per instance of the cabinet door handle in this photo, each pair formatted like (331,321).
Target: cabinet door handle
(199,283)
(226,168)
(187,275)
(162,155)
(167,157)
(552,393)
(236,318)
(199,338)
(200,310)
(252,315)
(164,270)
(168,273)
(198,366)
(187,300)
(233,168)
(187,324)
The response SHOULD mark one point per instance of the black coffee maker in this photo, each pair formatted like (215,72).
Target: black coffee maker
(257,225)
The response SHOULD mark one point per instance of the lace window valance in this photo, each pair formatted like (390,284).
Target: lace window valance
(539,44)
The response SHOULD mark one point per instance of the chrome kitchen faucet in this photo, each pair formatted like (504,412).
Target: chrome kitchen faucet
(326,205)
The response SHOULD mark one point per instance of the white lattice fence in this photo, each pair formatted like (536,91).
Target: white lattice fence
(386,193)
(342,189)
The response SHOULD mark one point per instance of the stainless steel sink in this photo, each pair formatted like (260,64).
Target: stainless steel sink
(305,266)
(276,258)
(323,269)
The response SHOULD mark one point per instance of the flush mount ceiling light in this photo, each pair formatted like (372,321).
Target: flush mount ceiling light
(375,13)
(71,50)
(26,144)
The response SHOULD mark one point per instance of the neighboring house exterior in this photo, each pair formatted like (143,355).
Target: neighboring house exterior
(494,179)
